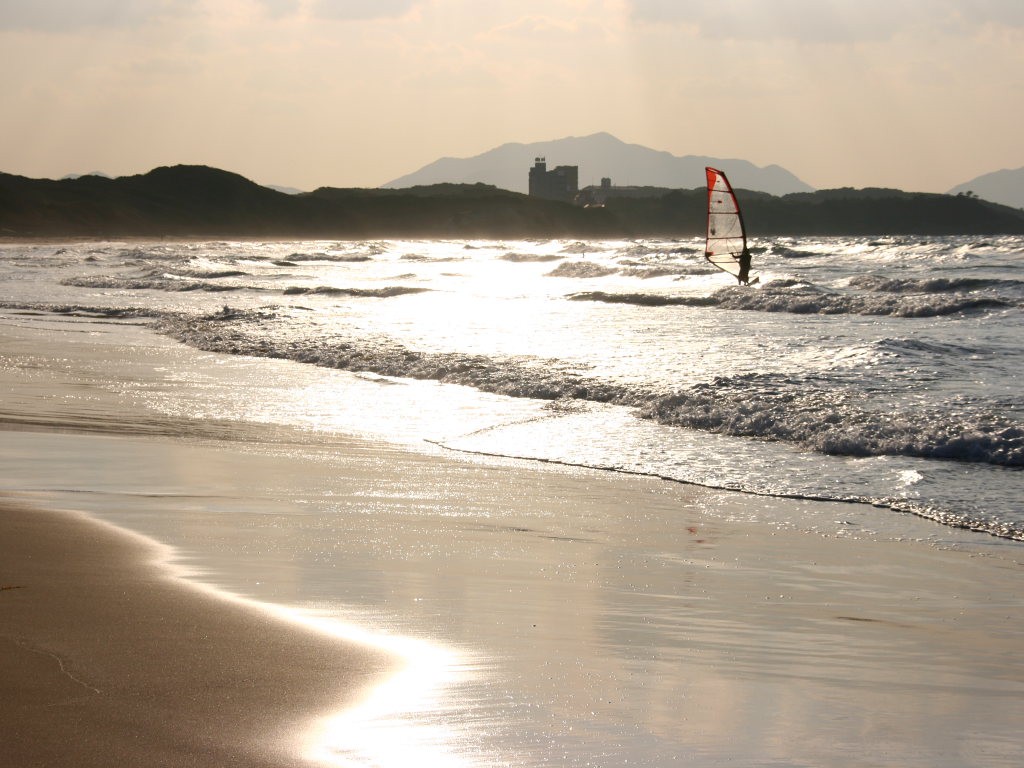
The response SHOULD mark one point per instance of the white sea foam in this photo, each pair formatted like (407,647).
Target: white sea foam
(848,349)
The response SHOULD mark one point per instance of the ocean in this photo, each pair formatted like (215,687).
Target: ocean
(876,372)
(260,407)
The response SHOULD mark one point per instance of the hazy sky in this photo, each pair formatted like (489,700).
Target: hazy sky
(915,94)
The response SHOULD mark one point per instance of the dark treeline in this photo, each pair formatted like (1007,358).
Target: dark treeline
(826,212)
(196,201)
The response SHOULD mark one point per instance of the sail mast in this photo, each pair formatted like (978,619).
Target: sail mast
(726,242)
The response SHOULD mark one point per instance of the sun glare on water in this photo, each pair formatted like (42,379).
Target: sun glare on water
(399,721)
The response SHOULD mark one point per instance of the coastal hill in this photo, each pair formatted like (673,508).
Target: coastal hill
(599,155)
(198,201)
(1005,187)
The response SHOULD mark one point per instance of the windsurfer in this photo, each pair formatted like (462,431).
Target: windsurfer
(726,244)
(744,274)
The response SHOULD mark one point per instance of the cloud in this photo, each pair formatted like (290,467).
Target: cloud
(532,28)
(74,15)
(355,10)
(279,8)
(1005,13)
(824,20)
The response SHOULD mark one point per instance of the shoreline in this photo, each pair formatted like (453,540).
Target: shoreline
(112,660)
(136,660)
(593,611)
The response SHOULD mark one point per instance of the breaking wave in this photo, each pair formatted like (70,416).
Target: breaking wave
(799,299)
(583,269)
(154,283)
(931,348)
(648,272)
(83,310)
(530,257)
(830,421)
(792,253)
(815,415)
(380,293)
(931,285)
(803,300)
(208,274)
(180,284)
(644,299)
(651,251)
(580,247)
(353,258)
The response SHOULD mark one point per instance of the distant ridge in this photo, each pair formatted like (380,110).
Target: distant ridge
(1005,187)
(203,202)
(599,155)
(72,176)
(284,190)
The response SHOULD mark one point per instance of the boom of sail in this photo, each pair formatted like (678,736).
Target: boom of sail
(726,245)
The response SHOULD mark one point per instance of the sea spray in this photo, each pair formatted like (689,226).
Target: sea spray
(816,414)
(855,363)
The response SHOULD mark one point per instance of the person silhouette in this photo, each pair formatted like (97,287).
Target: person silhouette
(744,273)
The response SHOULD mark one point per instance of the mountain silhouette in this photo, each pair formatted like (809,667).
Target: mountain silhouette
(1005,187)
(599,155)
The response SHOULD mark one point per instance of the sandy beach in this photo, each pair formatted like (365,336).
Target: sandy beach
(581,606)
(109,661)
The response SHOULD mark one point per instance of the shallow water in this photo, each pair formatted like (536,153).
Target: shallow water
(565,616)
(883,371)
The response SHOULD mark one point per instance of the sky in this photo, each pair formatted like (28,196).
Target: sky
(919,95)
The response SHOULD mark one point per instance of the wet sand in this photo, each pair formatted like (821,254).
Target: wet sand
(110,660)
(598,609)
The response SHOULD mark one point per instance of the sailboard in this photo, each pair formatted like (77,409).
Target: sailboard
(726,245)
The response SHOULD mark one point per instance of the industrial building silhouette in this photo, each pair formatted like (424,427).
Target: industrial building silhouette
(560,183)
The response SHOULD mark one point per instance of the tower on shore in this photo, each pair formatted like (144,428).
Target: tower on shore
(560,183)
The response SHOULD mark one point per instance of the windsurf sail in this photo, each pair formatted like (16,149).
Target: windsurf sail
(726,245)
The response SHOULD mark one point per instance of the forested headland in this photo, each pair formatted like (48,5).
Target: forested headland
(198,201)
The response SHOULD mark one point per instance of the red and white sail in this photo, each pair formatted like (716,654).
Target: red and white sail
(727,238)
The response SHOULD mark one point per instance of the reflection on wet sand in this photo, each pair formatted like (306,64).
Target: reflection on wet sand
(403,720)
(547,615)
